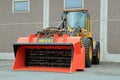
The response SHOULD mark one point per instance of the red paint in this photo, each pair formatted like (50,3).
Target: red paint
(77,62)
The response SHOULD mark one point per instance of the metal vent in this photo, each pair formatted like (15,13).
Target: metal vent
(48,57)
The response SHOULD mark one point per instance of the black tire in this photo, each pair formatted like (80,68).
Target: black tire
(88,52)
(96,56)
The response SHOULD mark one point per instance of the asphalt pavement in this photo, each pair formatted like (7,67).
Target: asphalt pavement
(103,71)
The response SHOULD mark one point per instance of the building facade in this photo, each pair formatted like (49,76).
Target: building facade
(16,22)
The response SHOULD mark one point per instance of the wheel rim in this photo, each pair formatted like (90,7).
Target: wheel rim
(90,52)
(98,53)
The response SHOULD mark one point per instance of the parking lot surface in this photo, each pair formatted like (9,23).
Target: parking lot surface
(104,71)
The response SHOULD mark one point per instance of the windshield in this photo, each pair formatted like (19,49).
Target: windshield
(76,19)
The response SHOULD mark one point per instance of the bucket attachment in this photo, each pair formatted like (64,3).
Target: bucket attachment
(55,57)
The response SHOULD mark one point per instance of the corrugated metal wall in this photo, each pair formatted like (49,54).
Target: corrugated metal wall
(113,37)
(56,9)
(94,9)
(14,25)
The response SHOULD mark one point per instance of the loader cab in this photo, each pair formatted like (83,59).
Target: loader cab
(76,19)
(77,22)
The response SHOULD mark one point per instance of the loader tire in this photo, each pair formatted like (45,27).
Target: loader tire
(96,56)
(88,52)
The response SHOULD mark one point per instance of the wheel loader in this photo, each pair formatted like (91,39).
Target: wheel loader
(69,47)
